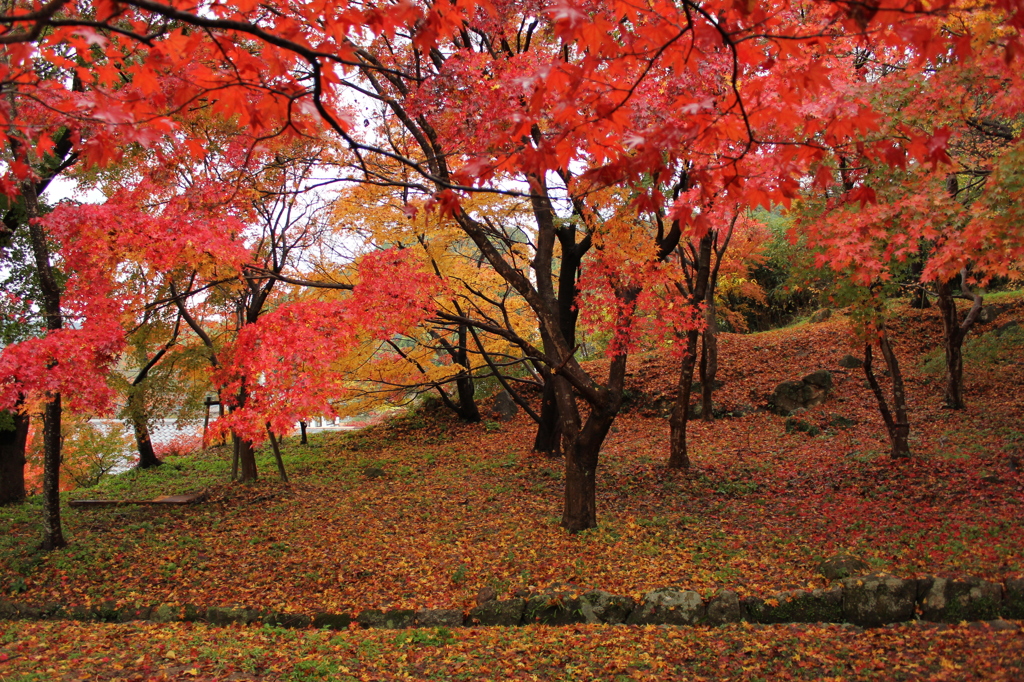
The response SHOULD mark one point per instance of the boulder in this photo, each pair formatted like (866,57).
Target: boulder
(485,595)
(1013,601)
(989,313)
(799,606)
(873,600)
(165,613)
(723,608)
(287,620)
(793,395)
(668,607)
(598,606)
(952,601)
(505,407)
(820,315)
(332,621)
(373,472)
(390,620)
(553,608)
(219,615)
(842,566)
(432,618)
(497,613)
(850,362)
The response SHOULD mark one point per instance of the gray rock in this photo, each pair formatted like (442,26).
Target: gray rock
(800,606)
(192,614)
(850,362)
(505,407)
(130,614)
(390,620)
(373,472)
(872,600)
(790,396)
(723,608)
(820,315)
(842,566)
(1013,600)
(332,621)
(821,379)
(952,601)
(669,607)
(989,313)
(553,609)
(599,606)
(485,595)
(497,613)
(165,613)
(287,620)
(219,615)
(432,618)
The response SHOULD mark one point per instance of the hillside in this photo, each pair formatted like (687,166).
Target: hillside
(460,508)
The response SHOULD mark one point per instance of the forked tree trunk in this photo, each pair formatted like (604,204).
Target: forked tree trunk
(303,440)
(678,457)
(709,358)
(954,331)
(897,424)
(549,434)
(12,458)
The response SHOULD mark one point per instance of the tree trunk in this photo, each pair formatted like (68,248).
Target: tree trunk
(147,456)
(53,533)
(302,429)
(582,446)
(897,426)
(709,358)
(277,455)
(247,461)
(953,334)
(678,457)
(12,458)
(464,385)
(549,432)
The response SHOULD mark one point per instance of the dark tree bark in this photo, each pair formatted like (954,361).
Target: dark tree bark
(709,360)
(303,440)
(698,286)
(954,331)
(277,455)
(548,440)
(549,434)
(247,461)
(53,533)
(12,457)
(897,425)
(144,444)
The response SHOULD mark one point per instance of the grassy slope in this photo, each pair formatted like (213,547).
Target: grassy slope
(463,507)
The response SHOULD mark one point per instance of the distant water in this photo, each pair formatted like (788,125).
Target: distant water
(166,430)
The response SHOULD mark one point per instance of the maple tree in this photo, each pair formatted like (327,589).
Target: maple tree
(564,100)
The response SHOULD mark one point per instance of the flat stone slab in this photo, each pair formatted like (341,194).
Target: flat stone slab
(157,501)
